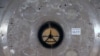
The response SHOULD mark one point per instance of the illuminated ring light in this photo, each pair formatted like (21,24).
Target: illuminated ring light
(50,34)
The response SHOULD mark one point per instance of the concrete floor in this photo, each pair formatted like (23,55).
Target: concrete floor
(21,19)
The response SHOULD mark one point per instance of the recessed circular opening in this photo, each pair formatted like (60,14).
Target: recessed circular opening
(50,34)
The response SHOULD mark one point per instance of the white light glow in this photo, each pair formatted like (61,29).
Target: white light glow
(58,13)
(12,51)
(3,28)
(5,47)
(97,31)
